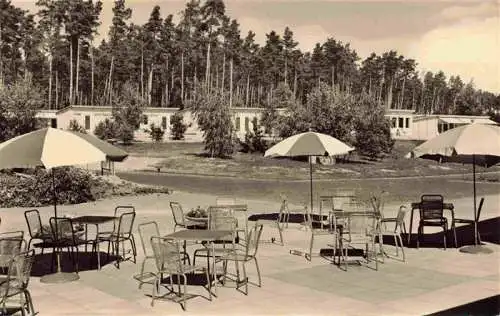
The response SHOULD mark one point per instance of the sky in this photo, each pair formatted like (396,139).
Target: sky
(459,37)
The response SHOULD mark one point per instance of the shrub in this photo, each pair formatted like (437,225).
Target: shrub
(107,129)
(156,133)
(178,126)
(254,141)
(74,126)
(126,134)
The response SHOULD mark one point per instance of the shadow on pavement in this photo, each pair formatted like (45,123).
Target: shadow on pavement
(486,307)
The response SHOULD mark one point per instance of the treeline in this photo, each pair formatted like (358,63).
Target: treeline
(165,63)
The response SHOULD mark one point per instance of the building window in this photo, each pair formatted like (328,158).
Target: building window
(237,124)
(164,122)
(145,119)
(401,122)
(53,123)
(407,122)
(393,122)
(87,121)
(247,124)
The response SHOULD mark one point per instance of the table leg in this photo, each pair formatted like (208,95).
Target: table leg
(411,226)
(97,247)
(214,272)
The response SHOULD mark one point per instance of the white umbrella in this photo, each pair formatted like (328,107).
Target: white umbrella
(50,148)
(473,143)
(308,144)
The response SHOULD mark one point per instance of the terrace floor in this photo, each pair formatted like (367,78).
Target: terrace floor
(430,280)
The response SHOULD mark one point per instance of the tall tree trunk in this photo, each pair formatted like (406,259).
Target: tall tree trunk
(389,94)
(50,81)
(110,80)
(182,77)
(142,71)
(71,71)
(92,74)
(223,73)
(286,70)
(333,77)
(295,83)
(247,90)
(413,99)
(370,86)
(166,85)
(57,89)
(150,84)
(77,90)
(401,104)
(231,83)
(207,70)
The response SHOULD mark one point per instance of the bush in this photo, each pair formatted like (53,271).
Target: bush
(106,129)
(72,186)
(74,126)
(178,126)
(126,134)
(254,141)
(156,133)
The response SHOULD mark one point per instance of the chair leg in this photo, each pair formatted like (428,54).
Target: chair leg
(280,230)
(311,247)
(402,249)
(454,234)
(134,250)
(445,230)
(420,232)
(258,271)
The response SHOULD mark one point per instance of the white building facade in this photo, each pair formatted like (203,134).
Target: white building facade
(405,124)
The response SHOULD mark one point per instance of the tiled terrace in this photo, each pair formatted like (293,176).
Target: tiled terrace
(431,279)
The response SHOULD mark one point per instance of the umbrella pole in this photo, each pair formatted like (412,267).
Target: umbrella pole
(311,182)
(475,207)
(59,276)
(476,248)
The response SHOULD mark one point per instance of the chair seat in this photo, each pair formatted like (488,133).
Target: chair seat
(236,256)
(433,222)
(183,268)
(463,221)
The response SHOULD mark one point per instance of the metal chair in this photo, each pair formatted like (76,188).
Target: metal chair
(280,221)
(123,233)
(431,214)
(180,220)
(243,256)
(66,237)
(146,231)
(35,227)
(468,221)
(219,218)
(11,244)
(169,262)
(119,210)
(16,284)
(320,224)
(399,227)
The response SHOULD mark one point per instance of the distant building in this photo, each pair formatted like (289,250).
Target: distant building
(405,124)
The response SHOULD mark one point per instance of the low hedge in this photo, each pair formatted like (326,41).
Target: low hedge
(34,188)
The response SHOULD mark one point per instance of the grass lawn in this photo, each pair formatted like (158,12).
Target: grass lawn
(188,158)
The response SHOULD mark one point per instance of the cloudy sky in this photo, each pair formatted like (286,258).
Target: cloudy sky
(459,37)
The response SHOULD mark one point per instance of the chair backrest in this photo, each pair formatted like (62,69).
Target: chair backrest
(340,198)
(225,201)
(431,206)
(167,253)
(221,218)
(177,213)
(34,222)
(64,230)
(125,224)
(18,275)
(479,208)
(253,239)
(11,244)
(359,223)
(400,217)
(119,210)
(146,231)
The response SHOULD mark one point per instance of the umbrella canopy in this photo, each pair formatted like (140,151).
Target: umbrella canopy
(308,144)
(50,147)
(473,143)
(460,143)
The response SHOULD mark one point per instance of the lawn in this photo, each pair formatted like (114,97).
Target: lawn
(188,158)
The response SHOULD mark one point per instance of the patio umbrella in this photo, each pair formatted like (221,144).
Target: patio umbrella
(50,148)
(308,144)
(473,143)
